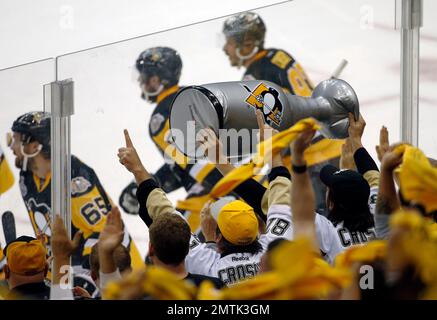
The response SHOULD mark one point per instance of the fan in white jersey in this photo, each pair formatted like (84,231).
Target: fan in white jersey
(233,262)
(239,245)
(259,197)
(239,241)
(351,195)
(348,204)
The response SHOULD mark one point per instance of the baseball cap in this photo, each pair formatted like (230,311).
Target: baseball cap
(349,188)
(219,204)
(26,256)
(236,220)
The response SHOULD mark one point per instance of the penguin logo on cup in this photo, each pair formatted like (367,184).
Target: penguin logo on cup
(267,100)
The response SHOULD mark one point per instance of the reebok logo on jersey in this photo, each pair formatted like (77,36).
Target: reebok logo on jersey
(240,258)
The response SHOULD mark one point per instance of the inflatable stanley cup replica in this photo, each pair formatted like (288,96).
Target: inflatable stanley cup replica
(230,107)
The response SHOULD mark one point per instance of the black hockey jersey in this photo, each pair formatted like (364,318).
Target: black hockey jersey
(281,68)
(89,206)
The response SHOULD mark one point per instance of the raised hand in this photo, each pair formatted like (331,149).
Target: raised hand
(110,238)
(208,223)
(112,234)
(265,131)
(212,147)
(129,158)
(356,131)
(299,145)
(384,143)
(347,156)
(61,244)
(62,248)
(391,159)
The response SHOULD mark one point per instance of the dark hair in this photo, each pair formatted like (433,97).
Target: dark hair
(354,219)
(419,207)
(170,238)
(228,248)
(121,256)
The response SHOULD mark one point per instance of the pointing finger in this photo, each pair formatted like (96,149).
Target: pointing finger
(129,143)
(260,120)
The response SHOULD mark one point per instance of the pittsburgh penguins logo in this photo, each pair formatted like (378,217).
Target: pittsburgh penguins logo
(267,100)
(40,217)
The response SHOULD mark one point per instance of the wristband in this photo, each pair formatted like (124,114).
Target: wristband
(299,169)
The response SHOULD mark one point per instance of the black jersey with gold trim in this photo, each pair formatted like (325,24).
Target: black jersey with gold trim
(281,68)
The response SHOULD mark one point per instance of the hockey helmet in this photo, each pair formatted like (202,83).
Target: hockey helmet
(161,61)
(34,126)
(245,25)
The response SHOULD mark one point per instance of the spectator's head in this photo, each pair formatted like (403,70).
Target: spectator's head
(169,243)
(237,226)
(30,138)
(347,198)
(244,34)
(26,261)
(122,260)
(159,68)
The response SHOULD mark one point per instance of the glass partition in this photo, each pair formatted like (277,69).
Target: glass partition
(21,91)
(428,80)
(318,34)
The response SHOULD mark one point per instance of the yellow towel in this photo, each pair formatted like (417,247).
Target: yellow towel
(6,175)
(418,178)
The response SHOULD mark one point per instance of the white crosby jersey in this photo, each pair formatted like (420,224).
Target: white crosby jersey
(326,234)
(349,238)
(235,267)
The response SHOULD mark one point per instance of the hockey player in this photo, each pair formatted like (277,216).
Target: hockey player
(245,35)
(159,71)
(89,201)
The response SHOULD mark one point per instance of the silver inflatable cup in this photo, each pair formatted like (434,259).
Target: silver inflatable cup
(229,107)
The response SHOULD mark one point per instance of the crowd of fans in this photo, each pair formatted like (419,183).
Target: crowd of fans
(382,219)
(371,235)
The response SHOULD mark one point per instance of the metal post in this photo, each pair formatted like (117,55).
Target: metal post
(58,97)
(409,20)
